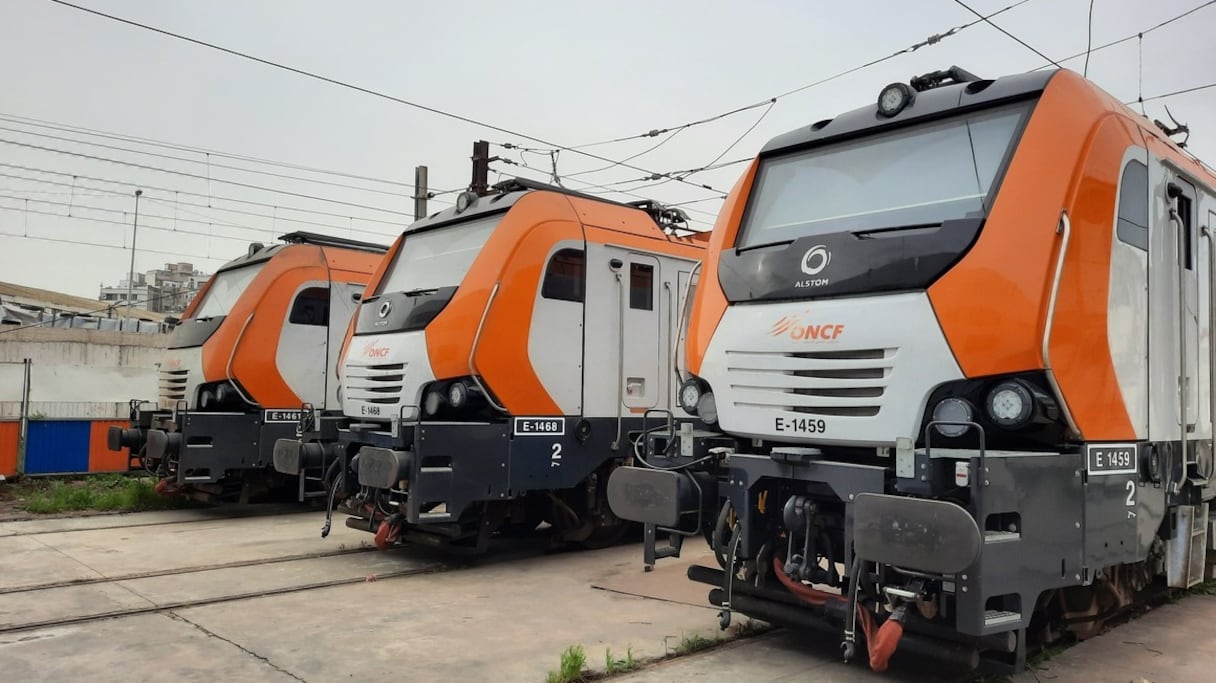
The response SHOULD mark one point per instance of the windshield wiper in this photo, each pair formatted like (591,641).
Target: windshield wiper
(420,291)
(891,231)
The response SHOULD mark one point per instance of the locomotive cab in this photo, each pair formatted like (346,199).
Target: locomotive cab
(259,340)
(953,352)
(498,366)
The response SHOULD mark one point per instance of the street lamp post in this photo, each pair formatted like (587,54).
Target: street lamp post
(131,274)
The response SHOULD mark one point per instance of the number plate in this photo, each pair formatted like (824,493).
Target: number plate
(292,416)
(799,425)
(540,426)
(1118,458)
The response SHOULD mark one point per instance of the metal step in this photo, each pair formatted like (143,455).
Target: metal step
(1001,536)
(434,517)
(994,617)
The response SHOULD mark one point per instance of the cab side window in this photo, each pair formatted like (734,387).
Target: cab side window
(1133,205)
(565,276)
(311,307)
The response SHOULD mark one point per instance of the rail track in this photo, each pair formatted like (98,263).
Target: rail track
(180,604)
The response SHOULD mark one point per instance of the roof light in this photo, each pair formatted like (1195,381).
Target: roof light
(894,98)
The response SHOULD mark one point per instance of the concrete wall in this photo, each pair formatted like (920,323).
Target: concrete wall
(78,373)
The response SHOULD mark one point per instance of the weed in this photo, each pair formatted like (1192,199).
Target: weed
(574,660)
(694,642)
(1206,588)
(613,665)
(103,492)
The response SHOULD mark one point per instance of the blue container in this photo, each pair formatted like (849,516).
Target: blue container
(57,447)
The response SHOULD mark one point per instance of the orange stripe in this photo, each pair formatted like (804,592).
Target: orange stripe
(270,295)
(709,303)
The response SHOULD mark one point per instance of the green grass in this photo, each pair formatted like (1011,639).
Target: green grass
(574,661)
(613,665)
(694,642)
(102,492)
(1205,588)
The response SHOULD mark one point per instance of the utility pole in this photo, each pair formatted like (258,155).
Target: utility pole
(420,192)
(480,184)
(131,273)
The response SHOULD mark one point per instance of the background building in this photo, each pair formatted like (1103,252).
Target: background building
(164,290)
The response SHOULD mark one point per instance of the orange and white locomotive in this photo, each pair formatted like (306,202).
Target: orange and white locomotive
(504,359)
(258,341)
(952,357)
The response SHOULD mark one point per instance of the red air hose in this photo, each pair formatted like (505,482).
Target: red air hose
(387,533)
(884,644)
(881,645)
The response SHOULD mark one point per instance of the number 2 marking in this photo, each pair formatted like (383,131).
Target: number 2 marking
(556,460)
(1131,498)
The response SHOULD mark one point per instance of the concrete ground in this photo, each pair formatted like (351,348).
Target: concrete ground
(189,596)
(1171,644)
(196,595)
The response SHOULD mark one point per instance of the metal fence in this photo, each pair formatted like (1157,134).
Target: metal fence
(54,417)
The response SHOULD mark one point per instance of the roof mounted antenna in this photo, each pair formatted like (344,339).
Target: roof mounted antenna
(669,218)
(935,79)
(1177,129)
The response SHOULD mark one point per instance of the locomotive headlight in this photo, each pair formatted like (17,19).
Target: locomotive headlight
(952,410)
(433,401)
(893,99)
(1010,404)
(707,408)
(458,394)
(205,399)
(690,395)
(223,392)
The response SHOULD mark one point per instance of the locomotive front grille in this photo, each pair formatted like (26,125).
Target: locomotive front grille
(375,383)
(828,383)
(172,385)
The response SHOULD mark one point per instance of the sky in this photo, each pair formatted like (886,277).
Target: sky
(566,73)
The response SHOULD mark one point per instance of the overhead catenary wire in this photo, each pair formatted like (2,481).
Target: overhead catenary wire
(207,162)
(931,40)
(152,142)
(196,176)
(96,244)
(988,20)
(99,209)
(1089,39)
(237,200)
(177,201)
(1134,36)
(351,86)
(1172,94)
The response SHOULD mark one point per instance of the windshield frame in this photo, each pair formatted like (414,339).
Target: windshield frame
(1026,105)
(382,288)
(255,268)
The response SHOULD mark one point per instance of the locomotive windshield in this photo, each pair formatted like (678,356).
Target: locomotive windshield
(226,288)
(432,259)
(919,175)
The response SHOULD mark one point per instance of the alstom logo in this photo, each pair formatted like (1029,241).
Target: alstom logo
(373,351)
(791,326)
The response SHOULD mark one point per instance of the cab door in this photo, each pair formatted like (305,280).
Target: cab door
(622,368)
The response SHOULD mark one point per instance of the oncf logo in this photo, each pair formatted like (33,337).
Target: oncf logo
(790,325)
(372,351)
(816,259)
(385,308)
